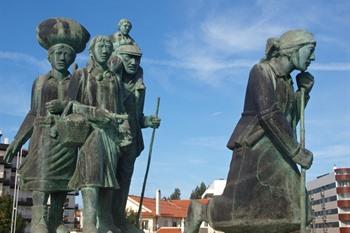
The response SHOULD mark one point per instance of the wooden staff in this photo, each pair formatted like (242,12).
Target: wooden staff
(147,169)
(303,171)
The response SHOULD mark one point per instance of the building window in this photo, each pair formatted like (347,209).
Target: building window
(144,224)
(325,212)
(322,188)
(174,224)
(66,203)
(324,200)
(327,225)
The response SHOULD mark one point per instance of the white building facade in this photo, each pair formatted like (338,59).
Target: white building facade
(330,201)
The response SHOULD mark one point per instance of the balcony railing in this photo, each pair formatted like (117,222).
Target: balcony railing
(344,203)
(343,190)
(344,229)
(344,217)
(343,177)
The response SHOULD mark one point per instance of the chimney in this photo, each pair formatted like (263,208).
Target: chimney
(158,202)
(6,141)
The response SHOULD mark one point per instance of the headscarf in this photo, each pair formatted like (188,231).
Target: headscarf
(288,42)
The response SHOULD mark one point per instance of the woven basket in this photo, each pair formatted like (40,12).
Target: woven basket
(73,130)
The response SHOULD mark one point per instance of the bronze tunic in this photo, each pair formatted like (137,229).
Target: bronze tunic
(49,166)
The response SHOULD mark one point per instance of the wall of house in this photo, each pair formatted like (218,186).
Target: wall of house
(169,222)
(148,225)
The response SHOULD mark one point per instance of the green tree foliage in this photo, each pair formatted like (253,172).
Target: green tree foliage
(198,191)
(131,217)
(176,195)
(5,216)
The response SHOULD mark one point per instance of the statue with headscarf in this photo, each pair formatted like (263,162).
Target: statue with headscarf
(262,194)
(96,94)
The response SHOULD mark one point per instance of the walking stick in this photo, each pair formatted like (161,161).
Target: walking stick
(303,171)
(147,169)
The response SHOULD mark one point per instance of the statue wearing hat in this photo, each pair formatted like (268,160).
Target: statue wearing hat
(122,37)
(263,188)
(125,62)
(49,166)
(98,96)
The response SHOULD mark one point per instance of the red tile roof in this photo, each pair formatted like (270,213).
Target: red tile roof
(169,230)
(168,208)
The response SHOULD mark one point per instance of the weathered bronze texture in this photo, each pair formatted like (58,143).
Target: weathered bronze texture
(125,62)
(49,165)
(262,194)
(122,37)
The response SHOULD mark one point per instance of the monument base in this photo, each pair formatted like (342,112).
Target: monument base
(259,227)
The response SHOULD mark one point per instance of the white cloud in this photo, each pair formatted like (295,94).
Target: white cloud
(218,42)
(216,114)
(199,63)
(214,49)
(205,68)
(42,65)
(234,36)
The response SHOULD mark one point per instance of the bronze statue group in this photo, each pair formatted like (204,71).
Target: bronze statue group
(84,128)
(85,131)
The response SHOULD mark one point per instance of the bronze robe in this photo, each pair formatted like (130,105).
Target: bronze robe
(98,157)
(263,182)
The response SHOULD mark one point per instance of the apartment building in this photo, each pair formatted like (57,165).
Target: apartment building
(7,186)
(330,201)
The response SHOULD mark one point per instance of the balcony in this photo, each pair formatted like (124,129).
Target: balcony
(343,177)
(344,217)
(343,203)
(342,170)
(344,229)
(343,190)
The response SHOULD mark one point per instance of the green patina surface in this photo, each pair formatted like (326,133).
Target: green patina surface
(84,128)
(263,191)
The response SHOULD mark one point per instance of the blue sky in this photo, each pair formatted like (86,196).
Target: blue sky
(197,57)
